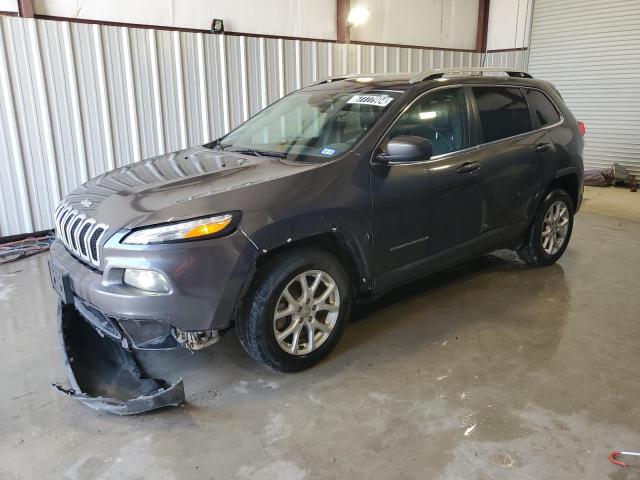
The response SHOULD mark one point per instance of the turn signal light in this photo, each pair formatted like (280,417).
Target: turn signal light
(582,128)
(208,228)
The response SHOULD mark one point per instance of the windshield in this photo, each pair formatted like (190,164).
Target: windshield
(322,123)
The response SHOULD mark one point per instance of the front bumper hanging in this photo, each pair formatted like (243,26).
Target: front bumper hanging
(104,375)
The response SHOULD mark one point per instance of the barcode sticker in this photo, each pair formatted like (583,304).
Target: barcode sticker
(377,100)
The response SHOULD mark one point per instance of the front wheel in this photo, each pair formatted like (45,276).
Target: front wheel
(296,310)
(549,234)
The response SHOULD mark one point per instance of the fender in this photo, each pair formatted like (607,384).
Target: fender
(563,172)
(350,236)
(350,245)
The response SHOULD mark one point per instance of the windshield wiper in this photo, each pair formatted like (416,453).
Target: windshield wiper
(215,144)
(260,153)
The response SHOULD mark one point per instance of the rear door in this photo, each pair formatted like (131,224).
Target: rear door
(546,117)
(508,156)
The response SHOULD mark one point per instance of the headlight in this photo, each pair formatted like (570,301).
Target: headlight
(188,230)
(148,280)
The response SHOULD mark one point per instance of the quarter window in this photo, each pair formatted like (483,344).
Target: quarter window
(503,112)
(440,117)
(543,110)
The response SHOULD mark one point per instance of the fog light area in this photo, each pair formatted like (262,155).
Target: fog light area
(147,280)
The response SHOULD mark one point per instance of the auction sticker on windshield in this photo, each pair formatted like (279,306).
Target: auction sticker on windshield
(377,100)
(327,151)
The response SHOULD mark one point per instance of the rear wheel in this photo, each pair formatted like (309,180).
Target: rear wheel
(549,234)
(296,310)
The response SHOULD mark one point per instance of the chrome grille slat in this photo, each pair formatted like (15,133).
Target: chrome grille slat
(94,242)
(86,240)
(66,224)
(74,229)
(80,234)
(63,217)
(82,237)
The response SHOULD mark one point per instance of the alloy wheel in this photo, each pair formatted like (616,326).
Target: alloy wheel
(306,312)
(555,227)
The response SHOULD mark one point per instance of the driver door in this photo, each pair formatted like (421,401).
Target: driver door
(426,207)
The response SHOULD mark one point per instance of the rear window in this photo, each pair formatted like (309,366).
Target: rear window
(503,112)
(543,109)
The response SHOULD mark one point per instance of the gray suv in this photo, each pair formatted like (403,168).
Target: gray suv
(341,190)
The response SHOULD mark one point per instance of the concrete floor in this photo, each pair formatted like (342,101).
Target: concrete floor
(488,370)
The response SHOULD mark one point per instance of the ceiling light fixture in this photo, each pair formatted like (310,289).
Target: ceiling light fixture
(357,16)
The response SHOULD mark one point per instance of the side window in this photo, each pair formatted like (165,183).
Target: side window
(440,117)
(543,109)
(503,112)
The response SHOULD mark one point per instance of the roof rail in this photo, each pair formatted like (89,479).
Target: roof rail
(354,76)
(441,72)
(330,79)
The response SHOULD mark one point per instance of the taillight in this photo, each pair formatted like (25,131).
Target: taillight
(582,128)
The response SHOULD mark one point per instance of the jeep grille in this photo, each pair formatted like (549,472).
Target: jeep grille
(79,233)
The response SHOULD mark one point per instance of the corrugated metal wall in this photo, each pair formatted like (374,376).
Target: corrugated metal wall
(78,99)
(590,49)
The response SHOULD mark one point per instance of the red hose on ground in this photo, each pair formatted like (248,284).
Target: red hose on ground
(613,457)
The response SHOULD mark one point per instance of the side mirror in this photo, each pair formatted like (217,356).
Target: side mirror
(406,148)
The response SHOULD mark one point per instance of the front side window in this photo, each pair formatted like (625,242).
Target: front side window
(503,112)
(440,117)
(321,123)
(544,111)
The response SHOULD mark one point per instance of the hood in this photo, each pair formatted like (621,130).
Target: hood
(139,193)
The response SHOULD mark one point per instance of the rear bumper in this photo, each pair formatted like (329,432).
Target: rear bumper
(206,279)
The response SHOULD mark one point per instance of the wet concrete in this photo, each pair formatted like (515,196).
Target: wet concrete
(488,370)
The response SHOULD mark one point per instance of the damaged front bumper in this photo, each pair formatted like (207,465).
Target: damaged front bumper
(103,372)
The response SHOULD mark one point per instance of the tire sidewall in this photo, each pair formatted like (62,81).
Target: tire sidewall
(535,238)
(276,281)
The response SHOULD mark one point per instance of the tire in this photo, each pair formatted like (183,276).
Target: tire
(537,251)
(257,326)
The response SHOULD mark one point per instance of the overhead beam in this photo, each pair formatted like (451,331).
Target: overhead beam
(483,25)
(342,29)
(25,8)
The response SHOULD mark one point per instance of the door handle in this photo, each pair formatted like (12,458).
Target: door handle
(468,167)
(543,147)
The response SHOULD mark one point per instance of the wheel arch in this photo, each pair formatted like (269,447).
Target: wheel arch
(568,181)
(340,244)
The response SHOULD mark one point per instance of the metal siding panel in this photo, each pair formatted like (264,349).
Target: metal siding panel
(30,107)
(89,84)
(590,51)
(143,81)
(192,91)
(272,54)
(117,94)
(291,66)
(256,75)
(324,49)
(235,82)
(103,98)
(60,79)
(132,109)
(157,93)
(308,68)
(180,92)
(168,90)
(14,198)
(215,86)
